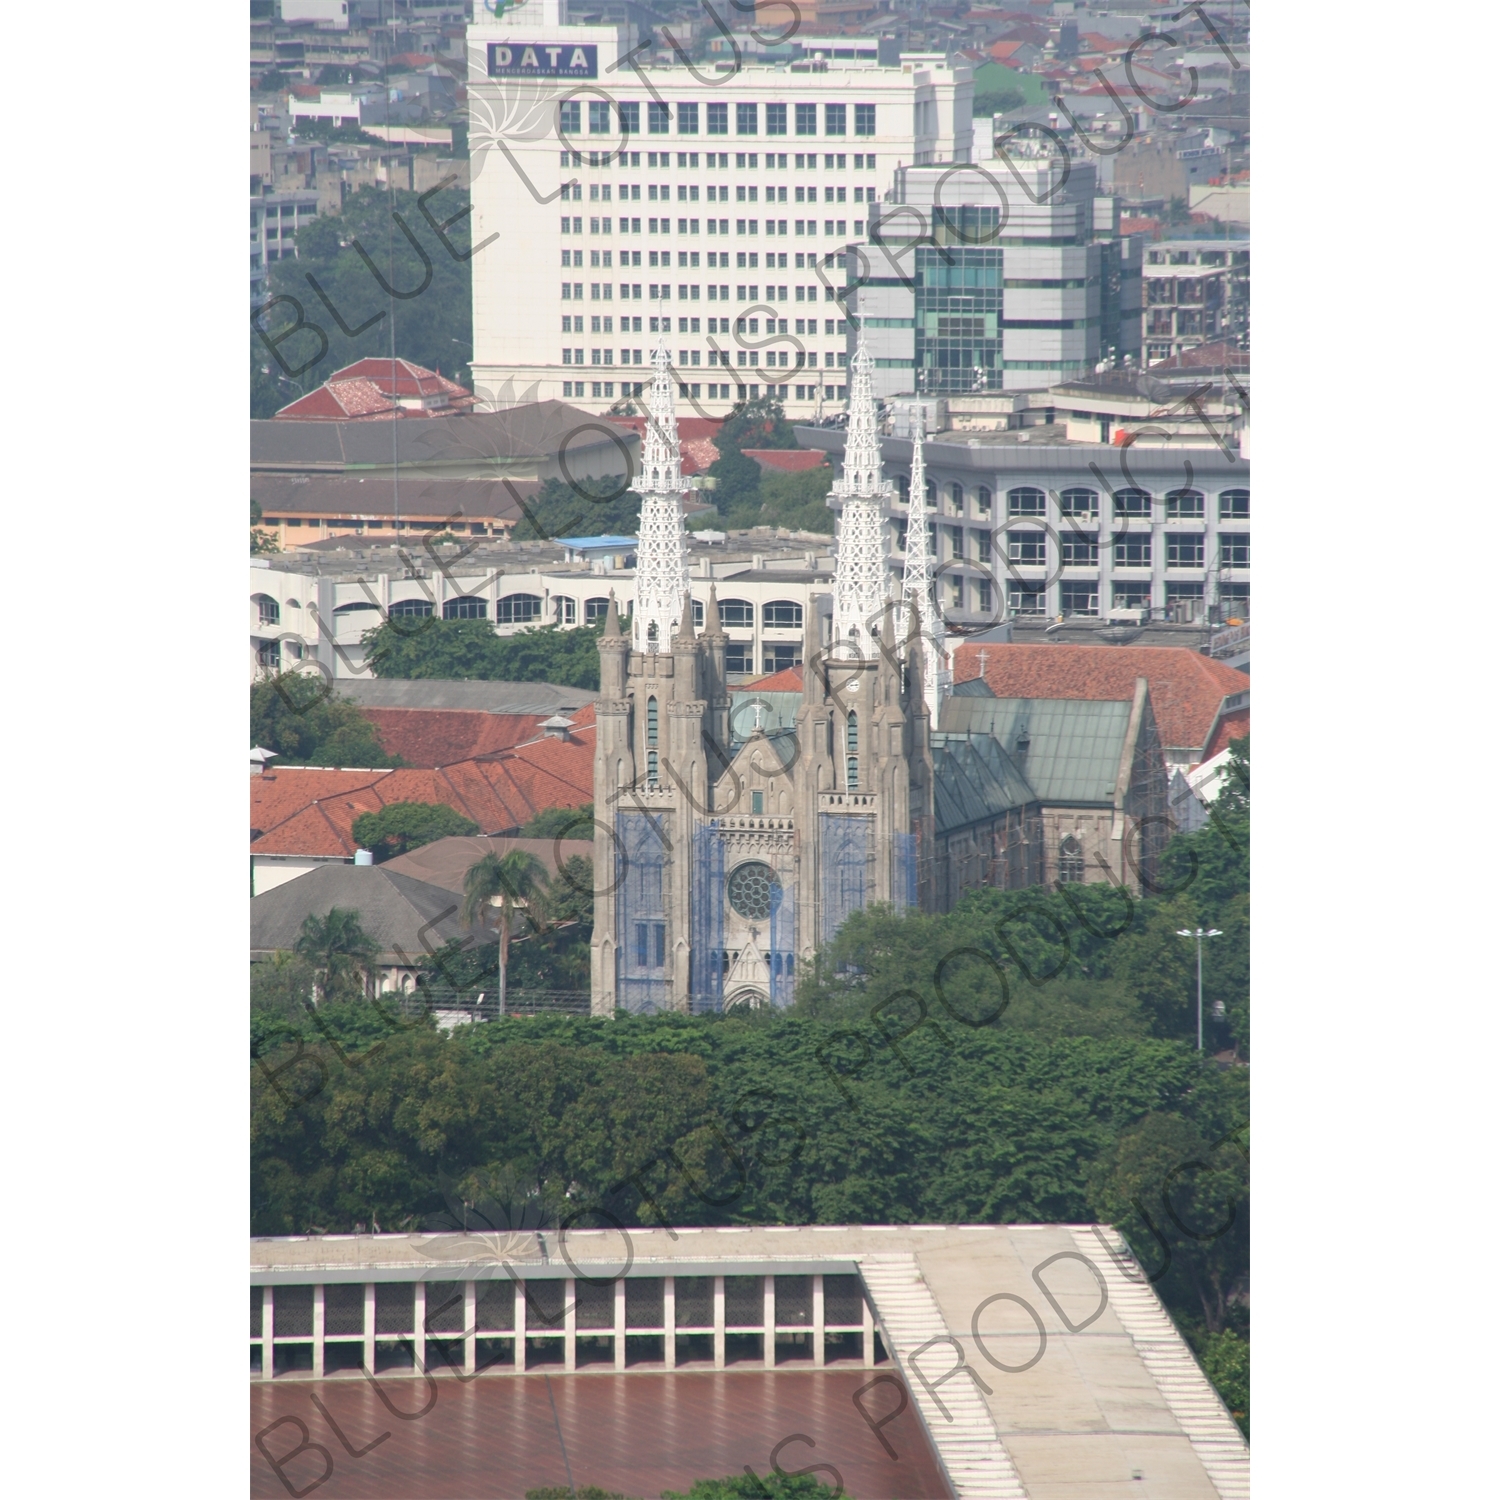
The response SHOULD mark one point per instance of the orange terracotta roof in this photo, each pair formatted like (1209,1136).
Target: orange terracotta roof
(787,680)
(305,810)
(1187,690)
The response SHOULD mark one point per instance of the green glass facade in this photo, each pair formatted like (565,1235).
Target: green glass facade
(959,292)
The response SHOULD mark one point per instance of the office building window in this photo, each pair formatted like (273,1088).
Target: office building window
(864,119)
(834,117)
(1028,549)
(1234,505)
(1080,502)
(775,120)
(1080,598)
(1079,549)
(1132,549)
(1234,549)
(807,123)
(658,118)
(1185,549)
(1132,502)
(687,122)
(718,119)
(1185,505)
(746,117)
(1026,501)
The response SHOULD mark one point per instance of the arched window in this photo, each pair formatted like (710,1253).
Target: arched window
(1132,502)
(782,614)
(903,488)
(1080,502)
(851,734)
(515,609)
(292,604)
(415,609)
(1070,861)
(984,499)
(1234,505)
(1026,501)
(736,614)
(270,610)
(651,720)
(1184,505)
(466,608)
(853,772)
(932,492)
(697,614)
(565,610)
(594,610)
(956,498)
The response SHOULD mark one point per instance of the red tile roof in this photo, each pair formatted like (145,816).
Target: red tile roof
(371,390)
(1187,690)
(305,810)
(788,460)
(1234,725)
(695,436)
(787,680)
(441,736)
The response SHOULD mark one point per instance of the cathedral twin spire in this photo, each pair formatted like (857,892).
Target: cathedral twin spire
(661,554)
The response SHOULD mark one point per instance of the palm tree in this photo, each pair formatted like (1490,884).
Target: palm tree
(510,882)
(339,948)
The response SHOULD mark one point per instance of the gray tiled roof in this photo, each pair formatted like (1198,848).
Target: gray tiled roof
(1074,748)
(403,915)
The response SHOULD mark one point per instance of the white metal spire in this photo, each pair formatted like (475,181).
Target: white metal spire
(661,575)
(917,587)
(858,585)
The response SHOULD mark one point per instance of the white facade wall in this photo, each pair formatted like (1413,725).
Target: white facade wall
(305,620)
(728,300)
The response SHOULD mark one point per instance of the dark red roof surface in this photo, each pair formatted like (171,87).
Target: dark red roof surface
(1187,689)
(370,390)
(442,736)
(788,460)
(636,1433)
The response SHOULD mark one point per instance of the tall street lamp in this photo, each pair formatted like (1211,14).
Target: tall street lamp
(1199,933)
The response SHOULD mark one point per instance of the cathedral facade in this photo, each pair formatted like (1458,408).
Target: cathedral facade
(728,850)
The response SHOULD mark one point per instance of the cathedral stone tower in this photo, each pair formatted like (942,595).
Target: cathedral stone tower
(722,862)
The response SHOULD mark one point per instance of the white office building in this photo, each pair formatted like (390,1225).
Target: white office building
(617,197)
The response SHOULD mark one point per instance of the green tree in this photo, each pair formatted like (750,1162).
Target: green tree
(449,649)
(752,424)
(1226,1362)
(512,882)
(298,715)
(403,826)
(560,823)
(797,501)
(282,985)
(343,956)
(430,323)
(584,507)
(772,1486)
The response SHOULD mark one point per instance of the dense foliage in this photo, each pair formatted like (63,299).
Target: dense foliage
(408,825)
(584,507)
(422,313)
(745,496)
(447,649)
(298,715)
(560,823)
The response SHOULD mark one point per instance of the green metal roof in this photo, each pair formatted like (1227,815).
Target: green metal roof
(973,780)
(778,711)
(1068,749)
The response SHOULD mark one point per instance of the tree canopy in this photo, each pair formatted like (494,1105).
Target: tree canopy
(448,649)
(298,715)
(586,507)
(422,312)
(408,825)
(745,496)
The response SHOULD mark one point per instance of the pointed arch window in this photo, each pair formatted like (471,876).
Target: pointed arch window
(1070,862)
(851,733)
(651,720)
(853,773)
